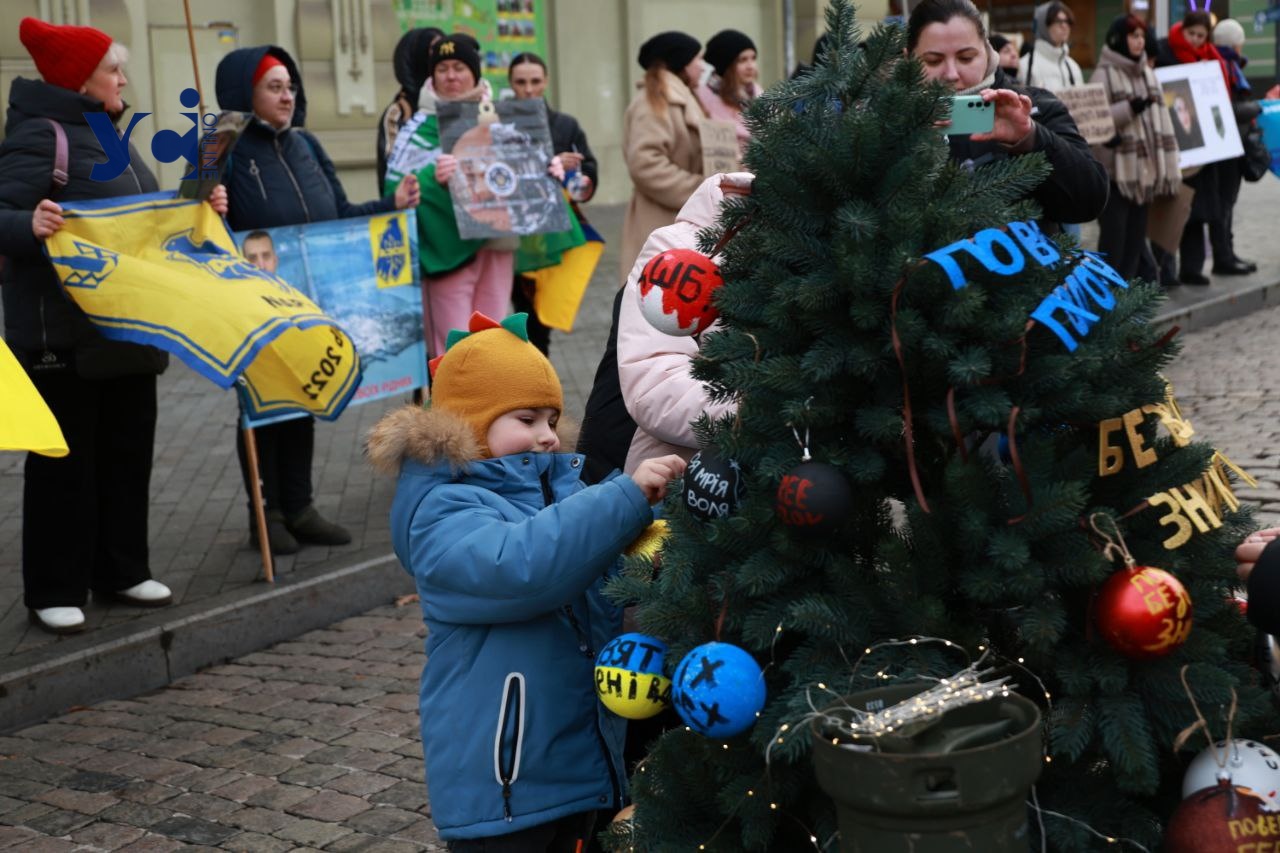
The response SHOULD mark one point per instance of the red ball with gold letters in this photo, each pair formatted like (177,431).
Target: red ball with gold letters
(675,290)
(1221,819)
(1143,612)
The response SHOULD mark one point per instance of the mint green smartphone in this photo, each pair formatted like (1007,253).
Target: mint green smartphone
(970,115)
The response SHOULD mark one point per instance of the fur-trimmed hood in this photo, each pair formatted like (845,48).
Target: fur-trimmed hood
(433,437)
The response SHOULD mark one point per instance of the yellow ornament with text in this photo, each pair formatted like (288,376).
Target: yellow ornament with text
(629,677)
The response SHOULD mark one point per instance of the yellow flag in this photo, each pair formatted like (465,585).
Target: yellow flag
(164,271)
(559,289)
(25,420)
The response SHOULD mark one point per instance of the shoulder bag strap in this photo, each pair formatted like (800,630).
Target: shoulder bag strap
(60,176)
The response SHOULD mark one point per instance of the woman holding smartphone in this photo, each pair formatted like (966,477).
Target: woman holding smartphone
(949,38)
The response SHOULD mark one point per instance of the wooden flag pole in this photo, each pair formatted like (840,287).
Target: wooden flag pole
(259,510)
(195,63)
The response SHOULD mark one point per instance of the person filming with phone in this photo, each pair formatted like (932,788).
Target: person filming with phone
(950,40)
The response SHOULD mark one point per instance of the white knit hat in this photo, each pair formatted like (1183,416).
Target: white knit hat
(1228,32)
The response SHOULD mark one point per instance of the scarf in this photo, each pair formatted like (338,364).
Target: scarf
(1146,160)
(993,62)
(746,94)
(1235,63)
(427,97)
(1184,52)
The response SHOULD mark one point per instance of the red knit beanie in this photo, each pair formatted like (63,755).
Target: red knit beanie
(65,56)
(268,62)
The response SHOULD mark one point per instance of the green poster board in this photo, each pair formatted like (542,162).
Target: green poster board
(503,27)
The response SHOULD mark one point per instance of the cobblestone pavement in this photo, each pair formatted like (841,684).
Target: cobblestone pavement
(1227,383)
(310,745)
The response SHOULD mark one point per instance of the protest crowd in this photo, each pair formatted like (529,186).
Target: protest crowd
(506,517)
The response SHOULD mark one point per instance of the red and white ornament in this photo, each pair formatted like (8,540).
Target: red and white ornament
(675,290)
(1143,612)
(1249,764)
(1221,819)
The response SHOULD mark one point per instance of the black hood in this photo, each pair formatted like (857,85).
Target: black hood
(234,81)
(37,99)
(412,56)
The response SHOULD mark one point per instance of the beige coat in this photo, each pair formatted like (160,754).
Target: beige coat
(664,157)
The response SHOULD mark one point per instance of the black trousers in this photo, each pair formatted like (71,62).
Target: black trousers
(559,836)
(284,463)
(1122,233)
(1191,249)
(522,300)
(84,516)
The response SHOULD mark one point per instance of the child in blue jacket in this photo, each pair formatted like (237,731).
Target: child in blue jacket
(509,551)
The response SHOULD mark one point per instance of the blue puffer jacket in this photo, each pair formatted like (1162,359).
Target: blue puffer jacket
(509,556)
(279,177)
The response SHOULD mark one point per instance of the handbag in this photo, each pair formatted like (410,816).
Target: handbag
(1257,157)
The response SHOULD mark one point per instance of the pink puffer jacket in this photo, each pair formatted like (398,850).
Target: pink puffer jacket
(653,367)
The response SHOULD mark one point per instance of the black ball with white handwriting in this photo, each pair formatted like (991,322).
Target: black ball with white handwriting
(712,487)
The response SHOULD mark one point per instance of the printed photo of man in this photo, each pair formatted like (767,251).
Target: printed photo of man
(260,250)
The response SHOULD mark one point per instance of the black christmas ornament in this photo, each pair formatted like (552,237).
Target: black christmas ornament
(713,487)
(814,498)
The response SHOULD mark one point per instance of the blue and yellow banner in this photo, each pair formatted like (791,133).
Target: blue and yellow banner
(159,270)
(363,273)
(25,420)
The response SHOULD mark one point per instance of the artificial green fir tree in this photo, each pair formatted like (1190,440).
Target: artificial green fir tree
(836,326)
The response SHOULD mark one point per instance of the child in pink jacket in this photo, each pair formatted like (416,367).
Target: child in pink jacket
(658,388)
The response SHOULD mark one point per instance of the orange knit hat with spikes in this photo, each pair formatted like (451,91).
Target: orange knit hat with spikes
(492,369)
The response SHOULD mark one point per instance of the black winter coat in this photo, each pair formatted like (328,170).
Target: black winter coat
(410,64)
(279,177)
(38,316)
(567,135)
(1076,190)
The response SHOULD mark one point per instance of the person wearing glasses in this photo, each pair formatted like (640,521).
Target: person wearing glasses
(279,174)
(1049,65)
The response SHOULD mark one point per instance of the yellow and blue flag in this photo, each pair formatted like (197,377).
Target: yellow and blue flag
(159,270)
(25,420)
(561,265)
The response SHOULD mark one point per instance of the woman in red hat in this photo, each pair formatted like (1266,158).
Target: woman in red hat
(84,516)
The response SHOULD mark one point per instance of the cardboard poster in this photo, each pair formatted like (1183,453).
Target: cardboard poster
(1090,107)
(1196,96)
(719,146)
(501,187)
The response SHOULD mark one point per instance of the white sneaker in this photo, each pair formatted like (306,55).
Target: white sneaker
(59,620)
(146,594)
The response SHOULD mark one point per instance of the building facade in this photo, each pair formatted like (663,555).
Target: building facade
(345,47)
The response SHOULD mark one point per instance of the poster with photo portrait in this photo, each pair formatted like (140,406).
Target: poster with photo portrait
(1195,94)
(501,187)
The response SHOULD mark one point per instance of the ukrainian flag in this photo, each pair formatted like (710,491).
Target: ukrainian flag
(561,266)
(25,420)
(160,270)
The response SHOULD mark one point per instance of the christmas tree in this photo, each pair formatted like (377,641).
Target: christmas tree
(853,326)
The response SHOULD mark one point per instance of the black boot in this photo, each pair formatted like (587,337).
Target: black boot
(311,527)
(282,541)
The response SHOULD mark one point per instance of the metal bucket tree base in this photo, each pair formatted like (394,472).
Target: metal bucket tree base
(972,800)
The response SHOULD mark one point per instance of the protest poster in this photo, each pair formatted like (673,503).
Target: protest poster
(501,187)
(363,273)
(1196,96)
(719,146)
(1090,107)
